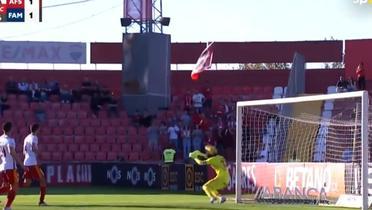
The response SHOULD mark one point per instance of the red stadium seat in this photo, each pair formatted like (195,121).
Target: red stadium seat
(101,156)
(65,107)
(82,115)
(8,114)
(112,156)
(73,147)
(78,139)
(62,148)
(100,139)
(84,122)
(121,139)
(115,122)
(52,123)
(56,106)
(57,131)
(121,131)
(90,156)
(134,156)
(79,156)
(68,139)
(71,115)
(28,114)
(89,139)
(132,131)
(105,147)
(89,131)
(78,131)
(126,148)
(46,156)
(84,147)
(100,131)
(103,115)
(76,106)
(68,131)
(116,148)
(61,115)
(18,115)
(68,156)
(111,130)
(110,139)
(85,106)
(45,131)
(57,139)
(95,123)
(105,123)
(137,148)
(94,148)
(56,156)
(73,123)
(23,98)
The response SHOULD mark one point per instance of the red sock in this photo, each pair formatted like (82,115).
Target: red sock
(10,198)
(4,189)
(42,193)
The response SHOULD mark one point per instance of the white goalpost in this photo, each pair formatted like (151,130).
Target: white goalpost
(310,149)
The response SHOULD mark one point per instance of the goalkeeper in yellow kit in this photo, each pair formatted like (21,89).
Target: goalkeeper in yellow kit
(218,164)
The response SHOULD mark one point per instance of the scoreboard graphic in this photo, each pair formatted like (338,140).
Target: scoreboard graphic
(21,11)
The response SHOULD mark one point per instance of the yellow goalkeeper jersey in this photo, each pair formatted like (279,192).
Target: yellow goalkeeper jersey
(218,163)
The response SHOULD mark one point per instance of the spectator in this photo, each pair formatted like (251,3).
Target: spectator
(66,95)
(197,138)
(153,137)
(113,107)
(198,101)
(11,86)
(361,80)
(351,85)
(173,132)
(23,87)
(3,105)
(186,140)
(163,130)
(188,101)
(341,85)
(204,123)
(40,115)
(35,94)
(146,119)
(95,104)
(185,118)
(136,118)
(54,88)
(208,98)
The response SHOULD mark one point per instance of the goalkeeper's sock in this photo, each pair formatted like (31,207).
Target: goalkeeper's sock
(222,199)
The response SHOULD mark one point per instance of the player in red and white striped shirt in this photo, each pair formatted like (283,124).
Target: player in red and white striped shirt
(32,168)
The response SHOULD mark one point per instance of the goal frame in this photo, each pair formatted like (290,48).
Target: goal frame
(363,95)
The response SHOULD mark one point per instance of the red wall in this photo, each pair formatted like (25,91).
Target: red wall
(317,80)
(233,52)
(357,51)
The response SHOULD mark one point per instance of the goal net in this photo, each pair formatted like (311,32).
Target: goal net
(308,149)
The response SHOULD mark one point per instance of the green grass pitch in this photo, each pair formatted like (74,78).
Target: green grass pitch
(103,198)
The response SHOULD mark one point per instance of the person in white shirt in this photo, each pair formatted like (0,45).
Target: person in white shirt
(173,135)
(8,168)
(198,101)
(32,169)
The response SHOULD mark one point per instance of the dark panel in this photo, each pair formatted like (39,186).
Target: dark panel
(106,53)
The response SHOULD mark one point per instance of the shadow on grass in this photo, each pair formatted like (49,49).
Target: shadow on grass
(77,190)
(139,206)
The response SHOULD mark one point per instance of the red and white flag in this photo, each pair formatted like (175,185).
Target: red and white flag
(204,61)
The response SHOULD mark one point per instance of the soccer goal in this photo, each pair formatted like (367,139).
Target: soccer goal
(308,149)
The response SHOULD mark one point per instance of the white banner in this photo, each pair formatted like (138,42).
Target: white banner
(42,52)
